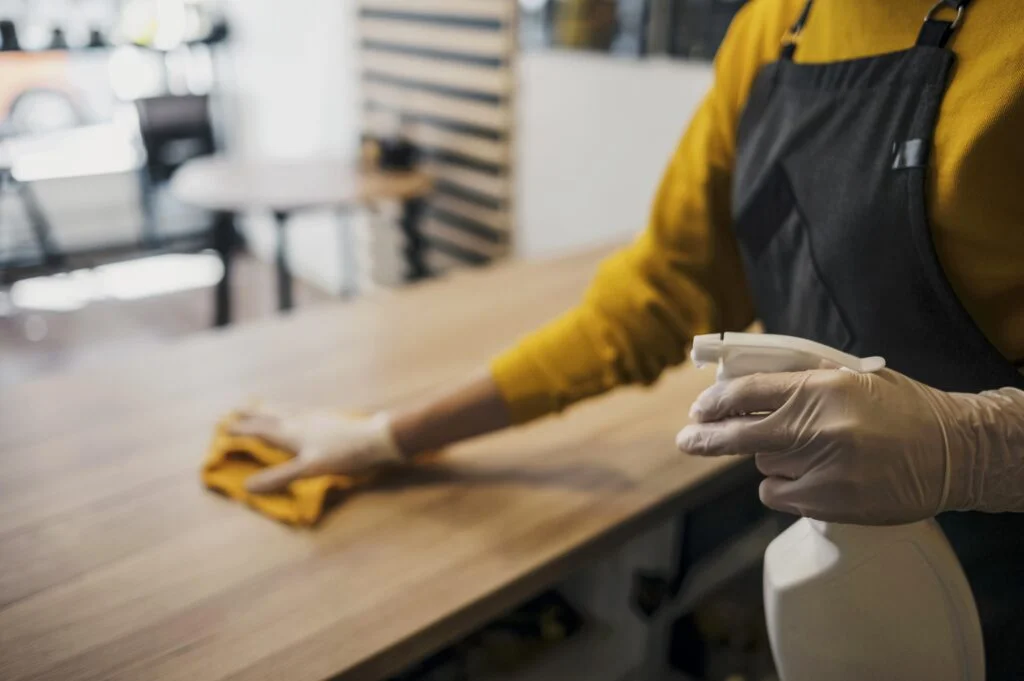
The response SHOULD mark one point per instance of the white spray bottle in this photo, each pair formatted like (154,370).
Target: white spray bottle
(852,603)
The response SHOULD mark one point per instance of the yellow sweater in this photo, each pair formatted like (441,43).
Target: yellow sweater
(683,275)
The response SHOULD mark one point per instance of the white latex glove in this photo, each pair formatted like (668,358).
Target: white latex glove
(324,442)
(868,449)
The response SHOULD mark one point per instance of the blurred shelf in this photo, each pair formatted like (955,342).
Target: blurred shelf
(714,572)
(588,655)
(596,654)
(215,38)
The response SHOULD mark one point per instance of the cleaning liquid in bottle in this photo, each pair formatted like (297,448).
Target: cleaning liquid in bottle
(852,603)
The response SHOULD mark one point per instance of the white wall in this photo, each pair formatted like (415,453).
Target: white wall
(292,74)
(292,91)
(594,134)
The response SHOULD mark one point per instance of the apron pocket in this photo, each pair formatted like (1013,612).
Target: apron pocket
(789,293)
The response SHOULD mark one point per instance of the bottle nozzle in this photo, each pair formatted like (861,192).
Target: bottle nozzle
(707,348)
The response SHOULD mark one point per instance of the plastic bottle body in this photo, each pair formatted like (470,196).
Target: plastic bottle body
(844,602)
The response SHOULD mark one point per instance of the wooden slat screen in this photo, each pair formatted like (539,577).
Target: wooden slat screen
(445,66)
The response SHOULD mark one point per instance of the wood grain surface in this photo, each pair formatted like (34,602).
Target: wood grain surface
(116,564)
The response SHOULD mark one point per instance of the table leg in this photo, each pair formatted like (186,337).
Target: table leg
(652,594)
(3,190)
(349,257)
(224,244)
(415,244)
(147,201)
(284,276)
(40,225)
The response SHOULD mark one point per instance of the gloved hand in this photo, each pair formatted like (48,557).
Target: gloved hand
(324,442)
(868,449)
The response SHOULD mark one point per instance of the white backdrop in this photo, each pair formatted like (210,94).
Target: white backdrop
(594,135)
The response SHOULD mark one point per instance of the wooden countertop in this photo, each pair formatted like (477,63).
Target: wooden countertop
(115,564)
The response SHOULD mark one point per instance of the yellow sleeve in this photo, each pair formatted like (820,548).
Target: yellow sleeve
(681,277)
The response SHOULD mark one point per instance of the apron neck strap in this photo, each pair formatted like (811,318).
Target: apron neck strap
(937,32)
(789,40)
(934,33)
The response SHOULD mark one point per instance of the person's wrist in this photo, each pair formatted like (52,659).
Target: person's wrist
(962,430)
(386,445)
(414,431)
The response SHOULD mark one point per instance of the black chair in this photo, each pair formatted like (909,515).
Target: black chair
(175,129)
(9,36)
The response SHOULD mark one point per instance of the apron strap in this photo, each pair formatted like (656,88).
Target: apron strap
(790,39)
(937,32)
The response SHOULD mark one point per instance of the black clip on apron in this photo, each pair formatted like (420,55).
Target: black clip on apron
(829,212)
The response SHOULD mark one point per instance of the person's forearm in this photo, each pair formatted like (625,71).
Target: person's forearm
(474,407)
(991,478)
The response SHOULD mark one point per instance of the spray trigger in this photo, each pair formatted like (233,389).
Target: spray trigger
(739,354)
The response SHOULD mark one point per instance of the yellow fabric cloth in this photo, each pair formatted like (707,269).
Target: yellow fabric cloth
(233,458)
(683,275)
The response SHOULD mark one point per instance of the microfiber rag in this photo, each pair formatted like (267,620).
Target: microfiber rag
(233,458)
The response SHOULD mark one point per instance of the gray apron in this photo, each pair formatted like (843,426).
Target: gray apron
(829,212)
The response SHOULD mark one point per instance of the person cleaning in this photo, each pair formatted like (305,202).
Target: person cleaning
(853,177)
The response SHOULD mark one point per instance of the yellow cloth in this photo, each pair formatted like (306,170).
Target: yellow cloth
(233,458)
(683,275)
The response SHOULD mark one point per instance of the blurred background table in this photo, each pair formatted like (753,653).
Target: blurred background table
(228,186)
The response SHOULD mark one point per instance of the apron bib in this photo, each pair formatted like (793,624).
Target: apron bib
(829,212)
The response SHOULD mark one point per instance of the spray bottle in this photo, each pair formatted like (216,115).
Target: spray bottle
(851,603)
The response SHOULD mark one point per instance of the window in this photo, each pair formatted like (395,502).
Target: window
(633,28)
